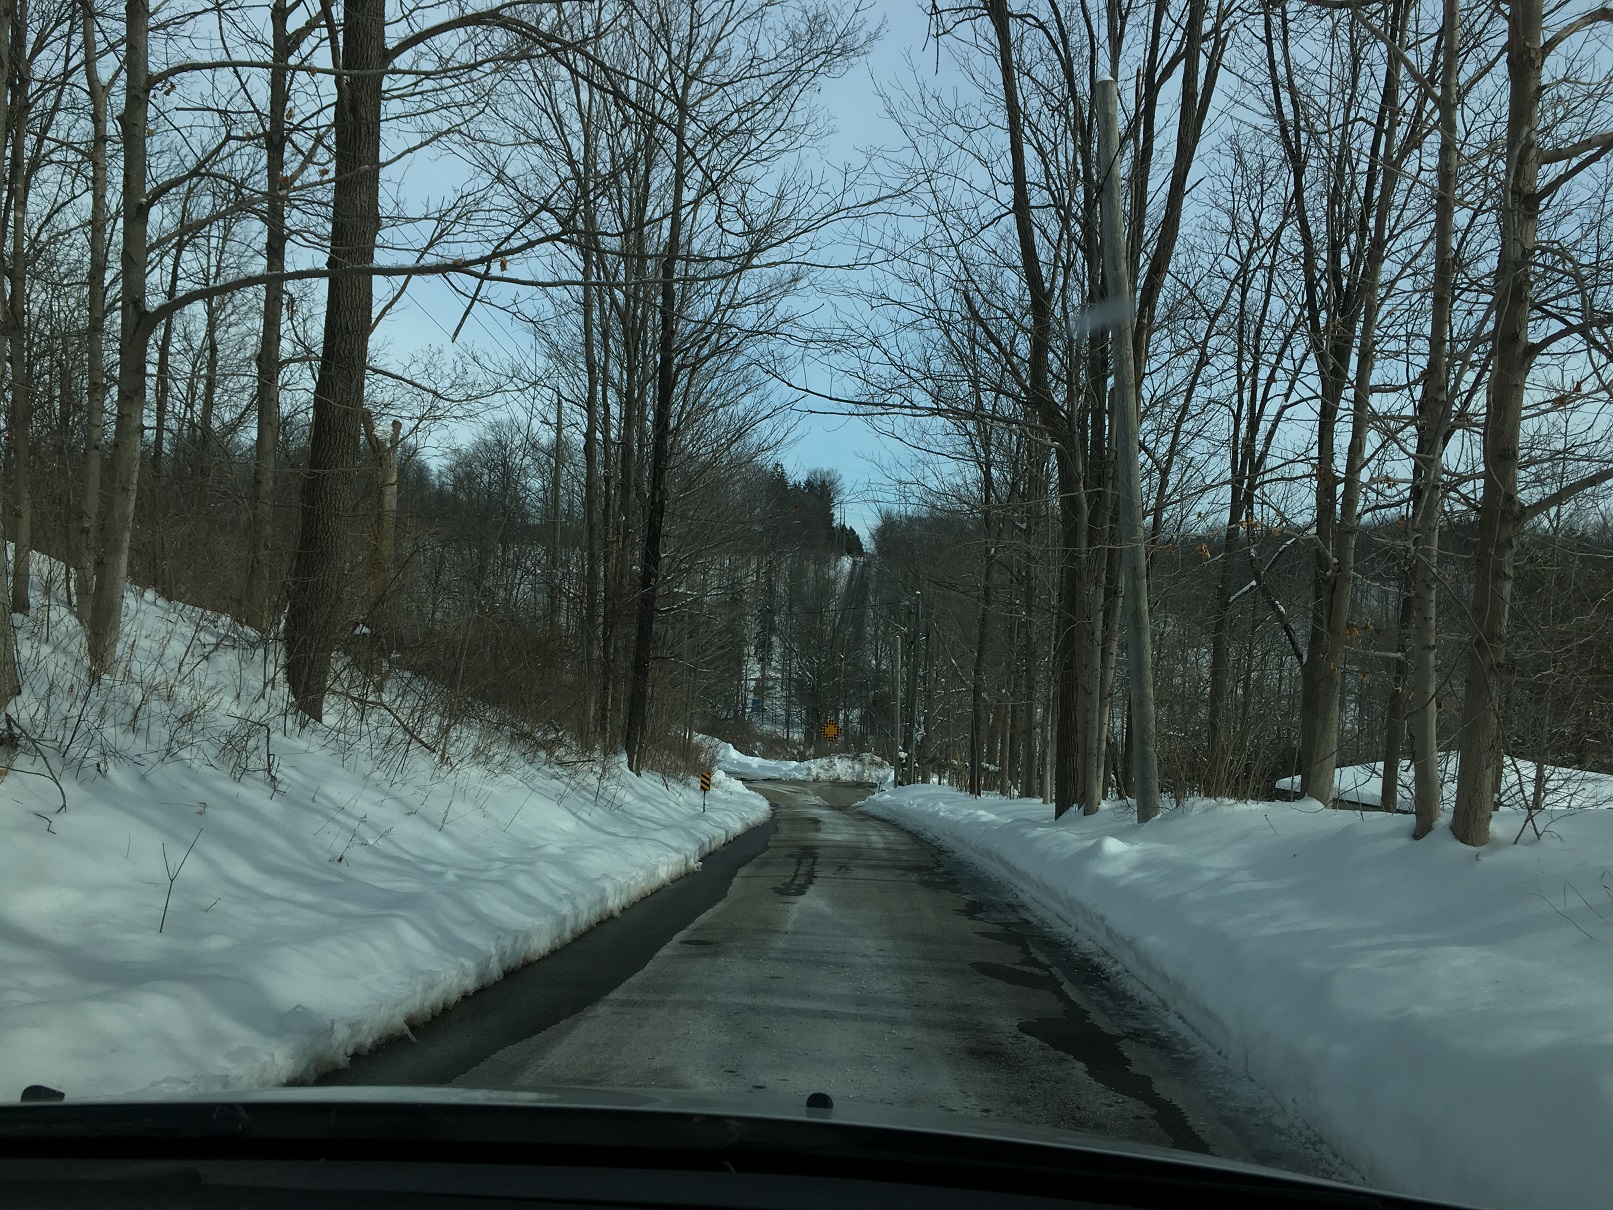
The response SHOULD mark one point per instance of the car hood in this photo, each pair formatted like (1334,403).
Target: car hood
(663,1117)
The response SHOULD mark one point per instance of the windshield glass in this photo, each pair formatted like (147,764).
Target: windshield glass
(1021,567)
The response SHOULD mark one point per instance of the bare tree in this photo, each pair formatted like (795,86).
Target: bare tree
(1502,514)
(10,683)
(85,534)
(20,420)
(112,559)
(1433,422)
(315,615)
(1342,226)
(256,591)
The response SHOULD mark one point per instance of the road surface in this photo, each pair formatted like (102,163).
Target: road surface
(838,953)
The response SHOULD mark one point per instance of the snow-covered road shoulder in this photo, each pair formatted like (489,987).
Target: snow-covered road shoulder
(218,897)
(1443,1017)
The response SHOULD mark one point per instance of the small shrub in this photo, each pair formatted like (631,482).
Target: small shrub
(675,755)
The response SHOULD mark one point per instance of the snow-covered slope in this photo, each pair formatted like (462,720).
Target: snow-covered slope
(1562,788)
(1444,1016)
(862,770)
(332,882)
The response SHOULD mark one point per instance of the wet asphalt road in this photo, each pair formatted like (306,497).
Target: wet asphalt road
(835,952)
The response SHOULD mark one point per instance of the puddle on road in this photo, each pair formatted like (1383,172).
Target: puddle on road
(802,877)
(1076,1034)
(1106,1033)
(1017,976)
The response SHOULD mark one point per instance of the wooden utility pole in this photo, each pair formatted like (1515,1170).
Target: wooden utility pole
(1139,645)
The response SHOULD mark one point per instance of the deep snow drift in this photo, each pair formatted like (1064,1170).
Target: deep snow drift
(862,770)
(1443,1016)
(340,881)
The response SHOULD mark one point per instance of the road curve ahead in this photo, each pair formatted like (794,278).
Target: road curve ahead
(851,958)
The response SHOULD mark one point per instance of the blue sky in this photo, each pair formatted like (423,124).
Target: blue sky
(843,443)
(847,443)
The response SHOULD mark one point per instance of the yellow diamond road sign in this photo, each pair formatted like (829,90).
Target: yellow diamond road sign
(830,731)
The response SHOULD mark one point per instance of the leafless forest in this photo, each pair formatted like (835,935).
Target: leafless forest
(1367,289)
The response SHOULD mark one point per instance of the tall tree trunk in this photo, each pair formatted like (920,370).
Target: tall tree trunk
(1246,464)
(1339,518)
(556,487)
(20,427)
(592,552)
(604,677)
(203,436)
(65,350)
(623,498)
(1335,296)
(257,606)
(1217,759)
(382,543)
(977,679)
(1478,778)
(1114,599)
(316,610)
(1128,466)
(1067,646)
(1433,424)
(593,397)
(1072,495)
(1008,713)
(165,377)
(915,707)
(1029,781)
(649,584)
(112,560)
(10,684)
(977,676)
(385,524)
(1102,615)
(1331,622)
(1090,635)
(1320,677)
(85,534)
(1394,712)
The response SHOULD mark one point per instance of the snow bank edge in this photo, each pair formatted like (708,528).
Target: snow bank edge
(1391,1153)
(332,1048)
